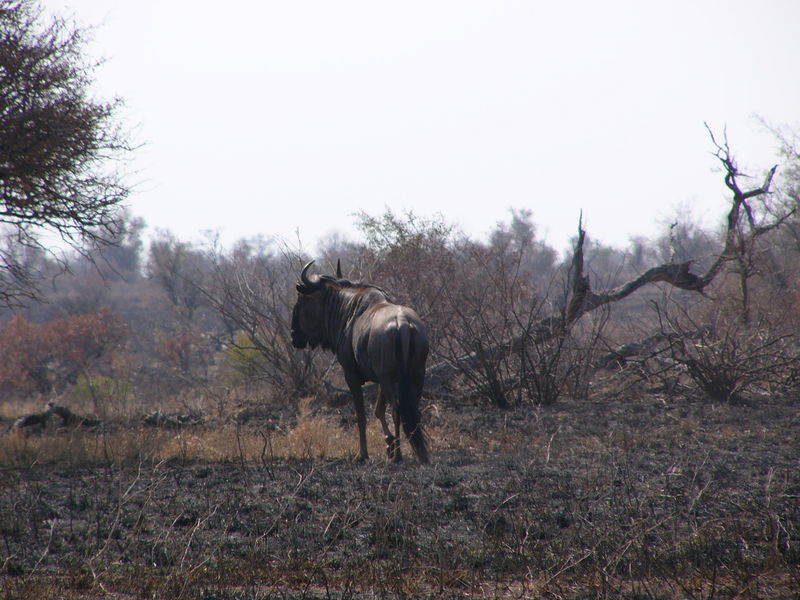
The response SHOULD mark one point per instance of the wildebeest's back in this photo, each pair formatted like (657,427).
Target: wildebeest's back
(389,339)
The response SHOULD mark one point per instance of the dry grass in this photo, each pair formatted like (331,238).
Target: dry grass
(313,435)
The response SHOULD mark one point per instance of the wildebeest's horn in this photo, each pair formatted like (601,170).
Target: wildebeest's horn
(304,275)
(339,269)
(304,280)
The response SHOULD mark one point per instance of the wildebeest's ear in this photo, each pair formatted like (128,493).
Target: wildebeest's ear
(339,269)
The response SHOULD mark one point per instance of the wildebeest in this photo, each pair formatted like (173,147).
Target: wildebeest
(374,340)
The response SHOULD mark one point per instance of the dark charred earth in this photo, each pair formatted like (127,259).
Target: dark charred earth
(656,499)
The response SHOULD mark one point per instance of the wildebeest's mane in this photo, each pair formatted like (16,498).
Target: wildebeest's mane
(343,300)
(347,284)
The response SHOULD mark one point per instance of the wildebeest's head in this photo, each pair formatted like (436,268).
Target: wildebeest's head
(307,314)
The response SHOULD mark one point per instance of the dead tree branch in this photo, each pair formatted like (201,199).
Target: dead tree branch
(749,218)
(744,227)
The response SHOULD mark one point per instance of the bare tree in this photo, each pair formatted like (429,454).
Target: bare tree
(178,270)
(60,150)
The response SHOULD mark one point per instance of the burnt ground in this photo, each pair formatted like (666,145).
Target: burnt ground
(654,499)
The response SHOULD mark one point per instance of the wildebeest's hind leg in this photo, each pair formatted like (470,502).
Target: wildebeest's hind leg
(380,414)
(410,393)
(361,418)
(387,394)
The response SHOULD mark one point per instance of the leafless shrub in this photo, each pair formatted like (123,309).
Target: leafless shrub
(726,358)
(561,365)
(483,299)
(480,325)
(252,288)
(501,336)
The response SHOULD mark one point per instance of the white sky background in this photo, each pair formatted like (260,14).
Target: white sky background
(268,118)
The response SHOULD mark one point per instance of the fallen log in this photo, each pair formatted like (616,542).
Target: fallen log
(36,422)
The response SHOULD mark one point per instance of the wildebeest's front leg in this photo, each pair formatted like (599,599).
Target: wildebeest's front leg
(361,418)
(392,441)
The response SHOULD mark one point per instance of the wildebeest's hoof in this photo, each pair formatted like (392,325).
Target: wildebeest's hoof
(393,448)
(391,442)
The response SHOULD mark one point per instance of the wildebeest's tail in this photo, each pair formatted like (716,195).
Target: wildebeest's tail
(409,394)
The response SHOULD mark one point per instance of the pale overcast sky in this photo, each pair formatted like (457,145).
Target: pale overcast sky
(265,118)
